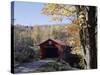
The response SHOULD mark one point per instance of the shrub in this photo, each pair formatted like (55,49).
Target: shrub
(25,54)
(54,66)
(81,63)
(75,60)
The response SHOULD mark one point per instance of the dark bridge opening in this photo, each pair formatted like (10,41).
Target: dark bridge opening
(51,51)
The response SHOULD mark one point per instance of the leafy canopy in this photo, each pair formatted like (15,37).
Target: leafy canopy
(58,9)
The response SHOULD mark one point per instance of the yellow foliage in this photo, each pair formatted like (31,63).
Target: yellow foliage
(58,9)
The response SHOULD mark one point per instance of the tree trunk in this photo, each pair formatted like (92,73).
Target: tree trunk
(92,21)
(88,35)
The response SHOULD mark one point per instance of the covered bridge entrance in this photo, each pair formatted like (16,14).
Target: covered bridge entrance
(51,48)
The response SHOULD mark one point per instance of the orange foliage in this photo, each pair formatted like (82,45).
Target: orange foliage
(73,37)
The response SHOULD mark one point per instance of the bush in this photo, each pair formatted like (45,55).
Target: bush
(75,60)
(81,63)
(25,54)
(54,66)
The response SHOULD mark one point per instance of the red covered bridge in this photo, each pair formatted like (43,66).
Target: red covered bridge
(51,48)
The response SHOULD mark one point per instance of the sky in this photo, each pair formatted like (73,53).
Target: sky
(29,13)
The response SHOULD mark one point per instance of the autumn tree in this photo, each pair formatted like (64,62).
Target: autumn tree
(73,38)
(37,35)
(87,21)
